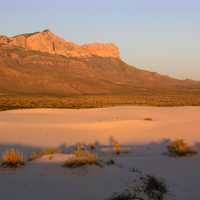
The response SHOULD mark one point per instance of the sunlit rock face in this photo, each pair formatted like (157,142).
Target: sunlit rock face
(4,39)
(46,41)
(43,63)
(102,50)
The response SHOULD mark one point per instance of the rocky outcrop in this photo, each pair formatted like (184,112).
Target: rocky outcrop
(46,41)
(102,50)
(4,39)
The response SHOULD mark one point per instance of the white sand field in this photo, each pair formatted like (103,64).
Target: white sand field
(31,130)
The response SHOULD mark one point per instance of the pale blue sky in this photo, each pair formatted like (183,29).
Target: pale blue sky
(157,35)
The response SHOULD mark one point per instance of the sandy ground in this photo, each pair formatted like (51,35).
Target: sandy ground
(30,130)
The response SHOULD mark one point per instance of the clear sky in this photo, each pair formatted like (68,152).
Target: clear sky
(157,35)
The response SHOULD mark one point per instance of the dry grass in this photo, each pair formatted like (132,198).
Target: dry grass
(116,145)
(94,101)
(180,148)
(48,151)
(81,158)
(12,158)
(117,148)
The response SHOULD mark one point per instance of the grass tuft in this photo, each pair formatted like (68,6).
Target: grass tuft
(12,159)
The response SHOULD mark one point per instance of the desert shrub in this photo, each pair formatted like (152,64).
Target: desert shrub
(143,188)
(92,146)
(180,148)
(115,144)
(81,158)
(117,148)
(12,158)
(155,188)
(48,151)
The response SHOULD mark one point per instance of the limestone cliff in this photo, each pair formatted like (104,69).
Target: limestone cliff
(46,41)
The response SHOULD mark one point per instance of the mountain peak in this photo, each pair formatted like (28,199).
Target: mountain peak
(47,41)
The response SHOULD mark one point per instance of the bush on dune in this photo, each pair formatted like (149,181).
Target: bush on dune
(12,159)
(48,151)
(81,158)
(181,148)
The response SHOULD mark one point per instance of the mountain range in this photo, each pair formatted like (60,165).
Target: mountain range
(44,63)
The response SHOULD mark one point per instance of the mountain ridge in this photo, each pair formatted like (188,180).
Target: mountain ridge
(25,69)
(46,41)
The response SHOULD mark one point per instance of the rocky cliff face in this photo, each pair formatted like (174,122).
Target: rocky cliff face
(61,67)
(4,39)
(46,41)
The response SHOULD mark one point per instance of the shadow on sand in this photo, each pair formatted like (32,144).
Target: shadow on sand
(152,148)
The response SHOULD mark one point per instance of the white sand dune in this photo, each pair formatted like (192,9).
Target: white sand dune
(40,128)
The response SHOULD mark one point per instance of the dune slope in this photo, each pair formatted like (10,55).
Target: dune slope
(31,130)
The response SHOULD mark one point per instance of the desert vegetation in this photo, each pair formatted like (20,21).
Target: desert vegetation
(115,145)
(180,148)
(117,148)
(155,188)
(39,154)
(145,187)
(81,158)
(12,159)
(142,187)
(94,101)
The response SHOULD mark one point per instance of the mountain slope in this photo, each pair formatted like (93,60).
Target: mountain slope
(30,66)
